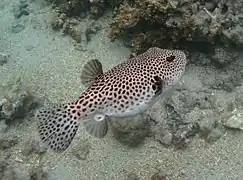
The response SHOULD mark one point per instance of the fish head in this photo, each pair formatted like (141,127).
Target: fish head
(172,64)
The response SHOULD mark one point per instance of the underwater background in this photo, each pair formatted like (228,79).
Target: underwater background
(194,134)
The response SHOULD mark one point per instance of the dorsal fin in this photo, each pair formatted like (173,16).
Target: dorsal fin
(92,69)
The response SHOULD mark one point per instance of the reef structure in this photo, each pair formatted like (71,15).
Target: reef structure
(168,23)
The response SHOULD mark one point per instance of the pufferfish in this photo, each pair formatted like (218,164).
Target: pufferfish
(125,90)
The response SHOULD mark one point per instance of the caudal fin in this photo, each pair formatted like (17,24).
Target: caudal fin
(57,126)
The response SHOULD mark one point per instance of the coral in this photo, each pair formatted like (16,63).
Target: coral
(67,26)
(71,7)
(79,31)
(74,7)
(166,23)
(97,8)
(128,17)
(69,14)
(78,8)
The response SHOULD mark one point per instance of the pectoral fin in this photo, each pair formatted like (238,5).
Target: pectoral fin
(97,127)
(158,86)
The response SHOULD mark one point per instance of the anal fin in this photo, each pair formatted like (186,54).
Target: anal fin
(92,69)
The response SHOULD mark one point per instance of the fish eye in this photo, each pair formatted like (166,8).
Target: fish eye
(170,58)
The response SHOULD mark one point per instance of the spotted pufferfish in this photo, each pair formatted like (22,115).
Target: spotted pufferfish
(125,90)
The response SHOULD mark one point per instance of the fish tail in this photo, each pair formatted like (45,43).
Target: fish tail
(57,125)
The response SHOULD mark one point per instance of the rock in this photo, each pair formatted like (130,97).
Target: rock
(3,58)
(162,135)
(97,9)
(132,176)
(2,5)
(204,59)
(234,119)
(228,82)
(15,101)
(131,131)
(81,151)
(3,127)
(91,30)
(29,47)
(73,8)
(191,100)
(33,146)
(206,124)
(17,27)
(214,135)
(222,57)
(182,133)
(158,176)
(7,142)
(209,127)
(13,173)
(60,173)
(57,21)
(21,9)
(38,173)
(76,32)
(71,27)
(167,138)
(4,157)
